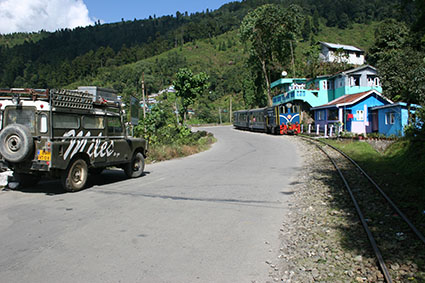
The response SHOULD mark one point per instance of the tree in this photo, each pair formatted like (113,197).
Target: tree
(401,67)
(389,36)
(402,73)
(344,21)
(188,86)
(271,32)
(306,29)
(316,22)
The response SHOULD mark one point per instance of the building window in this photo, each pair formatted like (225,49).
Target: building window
(355,80)
(389,118)
(321,115)
(332,114)
(360,115)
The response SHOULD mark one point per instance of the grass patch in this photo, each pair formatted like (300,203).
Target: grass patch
(160,152)
(399,170)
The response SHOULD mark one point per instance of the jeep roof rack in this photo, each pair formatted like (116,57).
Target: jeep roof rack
(24,93)
(85,98)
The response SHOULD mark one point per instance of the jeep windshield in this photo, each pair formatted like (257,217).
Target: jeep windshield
(20,115)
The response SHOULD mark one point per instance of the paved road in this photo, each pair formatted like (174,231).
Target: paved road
(211,217)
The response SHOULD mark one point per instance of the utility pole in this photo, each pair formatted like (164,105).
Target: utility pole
(143,94)
(230,109)
(292,55)
(219,114)
(177,113)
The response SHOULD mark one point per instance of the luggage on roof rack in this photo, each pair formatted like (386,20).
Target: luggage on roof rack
(71,99)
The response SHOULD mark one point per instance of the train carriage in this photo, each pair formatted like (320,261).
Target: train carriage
(280,119)
(257,119)
(240,119)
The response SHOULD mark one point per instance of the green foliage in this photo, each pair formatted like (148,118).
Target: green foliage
(416,129)
(307,29)
(19,38)
(390,35)
(403,75)
(188,86)
(199,141)
(160,127)
(271,31)
(401,66)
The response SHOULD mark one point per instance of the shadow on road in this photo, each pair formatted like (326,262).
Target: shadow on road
(54,186)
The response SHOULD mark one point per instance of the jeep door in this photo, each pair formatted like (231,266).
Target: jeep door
(119,150)
(97,145)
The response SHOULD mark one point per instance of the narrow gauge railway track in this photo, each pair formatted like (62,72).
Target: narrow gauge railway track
(390,233)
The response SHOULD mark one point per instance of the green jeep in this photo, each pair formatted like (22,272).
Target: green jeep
(66,134)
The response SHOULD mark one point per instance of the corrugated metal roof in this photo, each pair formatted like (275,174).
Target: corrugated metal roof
(341,46)
(349,99)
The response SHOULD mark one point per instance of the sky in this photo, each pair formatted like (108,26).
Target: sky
(50,15)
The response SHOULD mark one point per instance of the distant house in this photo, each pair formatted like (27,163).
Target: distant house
(353,111)
(154,97)
(338,53)
(392,118)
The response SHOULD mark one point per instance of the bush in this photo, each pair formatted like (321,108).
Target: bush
(160,128)
(416,129)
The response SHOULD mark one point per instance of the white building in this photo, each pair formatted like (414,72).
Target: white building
(337,53)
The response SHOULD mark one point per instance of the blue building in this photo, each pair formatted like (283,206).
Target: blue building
(352,111)
(392,118)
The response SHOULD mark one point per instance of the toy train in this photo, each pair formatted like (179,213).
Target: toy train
(280,119)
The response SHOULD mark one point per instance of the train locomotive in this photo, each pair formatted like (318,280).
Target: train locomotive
(279,119)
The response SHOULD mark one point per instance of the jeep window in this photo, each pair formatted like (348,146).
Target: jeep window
(93,122)
(114,126)
(65,121)
(43,123)
(22,115)
(1,120)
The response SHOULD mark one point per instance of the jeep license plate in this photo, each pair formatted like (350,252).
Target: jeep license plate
(44,155)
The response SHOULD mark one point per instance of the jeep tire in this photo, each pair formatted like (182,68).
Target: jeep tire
(16,143)
(74,178)
(135,168)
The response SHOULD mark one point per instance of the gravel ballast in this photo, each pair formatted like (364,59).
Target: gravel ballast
(322,239)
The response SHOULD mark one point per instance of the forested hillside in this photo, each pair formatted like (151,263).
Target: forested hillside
(59,58)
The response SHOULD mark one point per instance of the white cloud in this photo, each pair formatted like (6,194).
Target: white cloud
(35,15)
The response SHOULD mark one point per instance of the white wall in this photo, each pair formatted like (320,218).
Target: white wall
(329,56)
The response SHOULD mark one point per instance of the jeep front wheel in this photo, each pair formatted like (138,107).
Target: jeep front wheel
(74,178)
(135,168)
